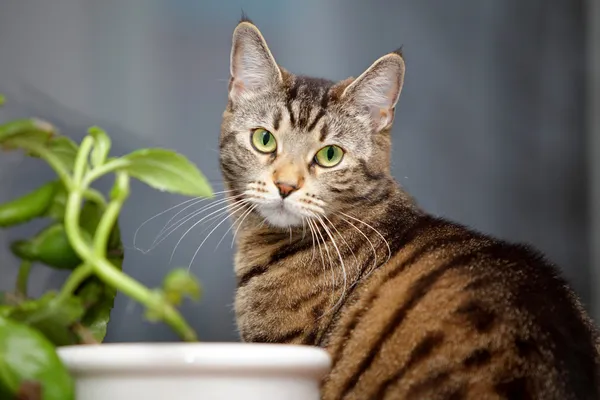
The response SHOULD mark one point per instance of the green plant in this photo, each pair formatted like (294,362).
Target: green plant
(83,237)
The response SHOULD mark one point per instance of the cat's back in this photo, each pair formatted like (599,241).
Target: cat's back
(455,314)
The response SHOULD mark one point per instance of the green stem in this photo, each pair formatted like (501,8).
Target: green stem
(81,162)
(79,274)
(109,218)
(102,170)
(23,277)
(95,196)
(51,159)
(117,279)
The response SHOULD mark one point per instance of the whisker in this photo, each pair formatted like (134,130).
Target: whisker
(160,238)
(205,207)
(210,233)
(195,200)
(243,215)
(347,245)
(240,224)
(368,240)
(374,230)
(173,217)
(312,235)
(333,279)
(236,205)
(344,274)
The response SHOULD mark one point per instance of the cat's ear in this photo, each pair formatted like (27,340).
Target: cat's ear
(253,68)
(377,90)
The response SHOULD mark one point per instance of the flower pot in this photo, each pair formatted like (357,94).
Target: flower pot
(186,371)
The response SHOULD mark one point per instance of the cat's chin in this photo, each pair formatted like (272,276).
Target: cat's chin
(279,217)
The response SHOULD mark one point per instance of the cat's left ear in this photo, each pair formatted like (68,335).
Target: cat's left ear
(253,68)
(377,90)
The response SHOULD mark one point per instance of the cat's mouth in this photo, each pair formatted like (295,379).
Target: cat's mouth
(281,214)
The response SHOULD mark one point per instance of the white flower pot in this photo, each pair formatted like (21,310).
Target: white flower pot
(198,371)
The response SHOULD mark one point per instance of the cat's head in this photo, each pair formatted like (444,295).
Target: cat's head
(296,147)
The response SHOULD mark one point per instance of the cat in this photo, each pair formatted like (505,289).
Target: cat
(332,252)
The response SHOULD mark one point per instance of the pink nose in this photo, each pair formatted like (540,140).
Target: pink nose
(285,189)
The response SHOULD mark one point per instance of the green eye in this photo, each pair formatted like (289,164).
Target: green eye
(329,156)
(264,141)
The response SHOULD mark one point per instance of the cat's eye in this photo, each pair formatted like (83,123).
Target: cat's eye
(329,156)
(264,141)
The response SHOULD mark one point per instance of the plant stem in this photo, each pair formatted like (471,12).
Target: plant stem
(23,277)
(103,170)
(81,162)
(117,279)
(95,196)
(51,159)
(109,218)
(79,274)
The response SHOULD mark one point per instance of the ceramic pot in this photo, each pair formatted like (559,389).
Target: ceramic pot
(186,371)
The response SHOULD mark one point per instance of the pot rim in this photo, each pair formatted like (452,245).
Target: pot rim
(196,357)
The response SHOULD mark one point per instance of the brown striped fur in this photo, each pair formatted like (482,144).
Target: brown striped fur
(408,305)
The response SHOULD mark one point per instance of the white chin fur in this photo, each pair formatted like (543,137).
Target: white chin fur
(280,217)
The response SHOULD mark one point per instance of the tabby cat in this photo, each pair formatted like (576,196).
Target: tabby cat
(332,252)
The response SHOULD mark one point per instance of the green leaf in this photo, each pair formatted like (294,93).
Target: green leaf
(32,131)
(58,206)
(29,206)
(167,170)
(102,146)
(2,100)
(65,149)
(50,246)
(51,317)
(91,213)
(28,362)
(178,284)
(98,299)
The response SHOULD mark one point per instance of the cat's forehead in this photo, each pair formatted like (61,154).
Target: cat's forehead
(304,114)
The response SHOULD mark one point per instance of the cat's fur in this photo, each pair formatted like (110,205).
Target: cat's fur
(408,305)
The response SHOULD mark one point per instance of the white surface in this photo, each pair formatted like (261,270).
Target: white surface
(207,371)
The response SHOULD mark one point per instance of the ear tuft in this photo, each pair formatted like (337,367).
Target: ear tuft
(378,89)
(245,18)
(253,68)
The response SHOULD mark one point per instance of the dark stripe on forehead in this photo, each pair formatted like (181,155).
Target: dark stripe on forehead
(277,119)
(290,111)
(316,120)
(324,132)
(304,114)
(292,94)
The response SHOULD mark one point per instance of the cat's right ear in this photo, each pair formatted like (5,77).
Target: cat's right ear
(253,68)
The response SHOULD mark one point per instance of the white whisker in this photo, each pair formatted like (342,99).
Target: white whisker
(244,213)
(196,200)
(331,267)
(344,275)
(234,205)
(180,211)
(210,233)
(374,230)
(160,238)
(240,224)
(368,240)
(347,245)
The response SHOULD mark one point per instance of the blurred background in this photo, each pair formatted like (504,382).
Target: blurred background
(496,127)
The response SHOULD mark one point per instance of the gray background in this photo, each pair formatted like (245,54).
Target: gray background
(490,129)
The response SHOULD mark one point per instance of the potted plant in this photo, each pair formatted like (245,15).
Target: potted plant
(50,347)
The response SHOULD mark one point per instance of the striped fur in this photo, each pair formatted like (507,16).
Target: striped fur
(409,306)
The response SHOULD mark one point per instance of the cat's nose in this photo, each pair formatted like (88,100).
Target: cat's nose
(285,189)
